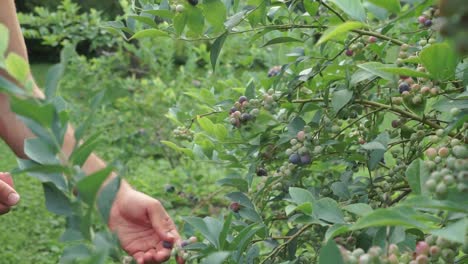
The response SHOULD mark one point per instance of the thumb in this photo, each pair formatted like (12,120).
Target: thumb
(8,195)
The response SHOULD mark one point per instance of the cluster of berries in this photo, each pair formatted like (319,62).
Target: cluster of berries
(241,112)
(183,133)
(359,45)
(245,110)
(431,250)
(298,153)
(413,92)
(449,168)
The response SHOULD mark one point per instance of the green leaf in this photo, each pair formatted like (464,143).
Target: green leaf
(225,231)
(44,173)
(17,67)
(173,146)
(386,217)
(54,74)
(195,20)
(160,13)
(4,40)
(106,198)
(37,150)
(90,185)
(180,20)
(240,198)
(300,196)
(206,124)
(440,60)
(296,125)
(405,72)
(258,14)
(238,183)
(376,69)
(279,40)
(330,254)
(454,231)
(336,230)
(424,202)
(327,209)
(42,114)
(391,5)
(74,253)
(56,201)
(152,32)
(216,49)
(417,174)
(202,226)
(145,20)
(340,98)
(10,87)
(339,31)
(352,8)
(311,7)
(359,209)
(215,13)
(216,258)
(81,154)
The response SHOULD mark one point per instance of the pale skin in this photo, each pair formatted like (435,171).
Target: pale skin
(140,221)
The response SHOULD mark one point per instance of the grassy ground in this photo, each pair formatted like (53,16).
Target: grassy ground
(29,232)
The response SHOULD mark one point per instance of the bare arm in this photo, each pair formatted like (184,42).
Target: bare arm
(12,130)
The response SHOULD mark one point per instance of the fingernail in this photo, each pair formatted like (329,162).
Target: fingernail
(13,198)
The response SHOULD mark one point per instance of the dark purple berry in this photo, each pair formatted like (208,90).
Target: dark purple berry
(169,188)
(235,207)
(184,243)
(349,52)
(242,99)
(395,123)
(305,159)
(167,244)
(262,172)
(403,87)
(428,23)
(246,117)
(193,2)
(232,110)
(295,158)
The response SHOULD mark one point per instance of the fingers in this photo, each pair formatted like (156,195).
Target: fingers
(8,195)
(162,223)
(166,230)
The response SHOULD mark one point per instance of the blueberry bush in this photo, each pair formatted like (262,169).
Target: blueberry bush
(350,148)
(353,143)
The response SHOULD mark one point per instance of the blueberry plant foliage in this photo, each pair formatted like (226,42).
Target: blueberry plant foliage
(67,191)
(351,150)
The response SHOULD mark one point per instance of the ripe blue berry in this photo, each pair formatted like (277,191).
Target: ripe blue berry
(193,2)
(295,158)
(428,23)
(403,87)
(246,117)
(242,99)
(167,244)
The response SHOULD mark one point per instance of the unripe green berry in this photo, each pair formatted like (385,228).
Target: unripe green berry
(441,188)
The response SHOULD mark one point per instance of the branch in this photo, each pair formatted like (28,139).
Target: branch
(291,238)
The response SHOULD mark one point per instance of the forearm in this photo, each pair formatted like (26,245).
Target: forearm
(12,130)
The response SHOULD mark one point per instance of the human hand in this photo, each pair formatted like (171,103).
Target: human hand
(144,228)
(8,195)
